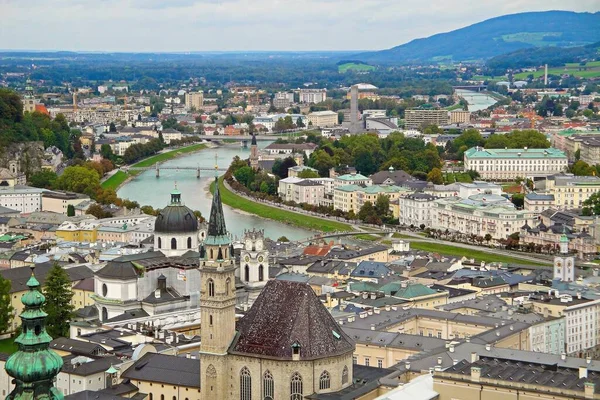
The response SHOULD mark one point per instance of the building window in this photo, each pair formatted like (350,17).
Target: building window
(379,363)
(159,243)
(211,288)
(246,273)
(210,320)
(261,273)
(354,360)
(104,290)
(227,285)
(345,375)
(173,244)
(245,384)
(268,386)
(296,387)
(104,314)
(189,242)
(324,381)
(367,361)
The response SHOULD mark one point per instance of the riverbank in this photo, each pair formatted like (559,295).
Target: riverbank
(121,177)
(300,220)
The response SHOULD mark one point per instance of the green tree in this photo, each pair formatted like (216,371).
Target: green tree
(57,290)
(280,167)
(307,173)
(6,310)
(80,180)
(43,179)
(112,127)
(592,205)
(382,205)
(283,239)
(518,200)
(106,152)
(435,176)
(299,123)
(97,211)
(245,176)
(70,210)
(578,154)
(581,168)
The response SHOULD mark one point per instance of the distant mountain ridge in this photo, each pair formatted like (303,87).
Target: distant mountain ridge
(496,36)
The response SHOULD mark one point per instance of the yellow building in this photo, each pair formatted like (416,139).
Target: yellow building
(353,197)
(19,276)
(85,231)
(323,119)
(59,202)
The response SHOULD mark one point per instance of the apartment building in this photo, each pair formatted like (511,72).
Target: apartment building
(416,118)
(415,209)
(194,100)
(460,116)
(301,190)
(283,99)
(308,96)
(571,191)
(508,164)
(479,216)
(323,119)
(59,202)
(353,197)
(23,198)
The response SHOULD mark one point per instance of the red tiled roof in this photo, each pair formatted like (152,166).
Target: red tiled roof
(42,109)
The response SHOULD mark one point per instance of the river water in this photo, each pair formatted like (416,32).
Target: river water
(477,100)
(147,189)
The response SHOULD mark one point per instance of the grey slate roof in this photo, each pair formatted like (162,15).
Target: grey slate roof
(92,395)
(122,267)
(19,276)
(77,347)
(162,368)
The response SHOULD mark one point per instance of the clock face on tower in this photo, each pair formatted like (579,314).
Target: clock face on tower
(260,259)
(558,263)
(247,258)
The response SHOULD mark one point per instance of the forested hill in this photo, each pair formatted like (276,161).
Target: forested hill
(552,56)
(496,36)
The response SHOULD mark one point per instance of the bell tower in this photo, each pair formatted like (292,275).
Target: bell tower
(217,303)
(564,264)
(254,153)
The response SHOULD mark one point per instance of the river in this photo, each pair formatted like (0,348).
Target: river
(477,100)
(147,189)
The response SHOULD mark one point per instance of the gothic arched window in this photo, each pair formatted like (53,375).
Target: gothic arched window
(245,384)
(173,244)
(261,273)
(296,387)
(268,386)
(211,288)
(246,273)
(227,286)
(324,381)
(189,243)
(159,243)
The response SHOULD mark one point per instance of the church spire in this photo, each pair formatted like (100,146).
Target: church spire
(216,223)
(34,366)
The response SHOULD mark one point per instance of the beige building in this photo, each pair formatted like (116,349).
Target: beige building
(571,191)
(323,119)
(460,116)
(194,100)
(353,197)
(59,202)
(417,118)
(301,190)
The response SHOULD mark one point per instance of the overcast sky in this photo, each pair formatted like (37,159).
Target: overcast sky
(213,25)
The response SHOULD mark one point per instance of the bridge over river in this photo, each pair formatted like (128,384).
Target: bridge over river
(157,167)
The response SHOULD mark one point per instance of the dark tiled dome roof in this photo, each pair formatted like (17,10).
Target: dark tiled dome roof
(176,218)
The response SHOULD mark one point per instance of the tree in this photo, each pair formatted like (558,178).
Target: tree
(280,167)
(106,152)
(382,205)
(112,127)
(518,200)
(6,310)
(307,173)
(70,210)
(58,302)
(245,176)
(80,180)
(592,205)
(44,179)
(299,123)
(578,154)
(97,211)
(283,239)
(487,237)
(581,168)
(435,176)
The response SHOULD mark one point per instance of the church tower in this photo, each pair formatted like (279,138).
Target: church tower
(254,153)
(217,304)
(34,366)
(564,265)
(254,262)
(29,98)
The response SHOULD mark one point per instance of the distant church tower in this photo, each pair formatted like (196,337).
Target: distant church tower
(217,304)
(254,261)
(34,366)
(254,153)
(564,265)
(29,98)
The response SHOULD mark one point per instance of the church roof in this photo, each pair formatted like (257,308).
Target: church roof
(288,313)
(217,231)
(176,218)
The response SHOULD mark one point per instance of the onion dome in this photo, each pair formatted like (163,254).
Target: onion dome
(176,218)
(34,366)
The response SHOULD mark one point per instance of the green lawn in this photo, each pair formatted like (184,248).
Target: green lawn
(8,346)
(593,71)
(114,181)
(462,252)
(148,162)
(355,67)
(457,177)
(265,211)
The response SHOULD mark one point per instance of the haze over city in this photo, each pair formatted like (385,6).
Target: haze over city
(243,25)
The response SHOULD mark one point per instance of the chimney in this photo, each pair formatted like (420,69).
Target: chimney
(590,389)
(439,360)
(454,362)
(475,374)
(579,295)
(188,355)
(488,347)
(588,360)
(474,357)
(583,372)
(372,327)
(451,348)
(468,339)
(407,365)
(563,356)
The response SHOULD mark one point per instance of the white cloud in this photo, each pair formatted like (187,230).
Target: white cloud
(197,25)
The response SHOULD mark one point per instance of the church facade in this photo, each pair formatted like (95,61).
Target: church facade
(286,347)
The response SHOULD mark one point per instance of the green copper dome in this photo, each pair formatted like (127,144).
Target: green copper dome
(34,366)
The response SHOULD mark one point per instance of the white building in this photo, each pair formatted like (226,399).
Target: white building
(308,96)
(564,265)
(301,190)
(254,260)
(508,164)
(26,199)
(323,119)
(415,209)
(194,100)
(176,228)
(480,215)
(582,327)
(170,135)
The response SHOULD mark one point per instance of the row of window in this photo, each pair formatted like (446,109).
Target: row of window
(296,384)
(174,243)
